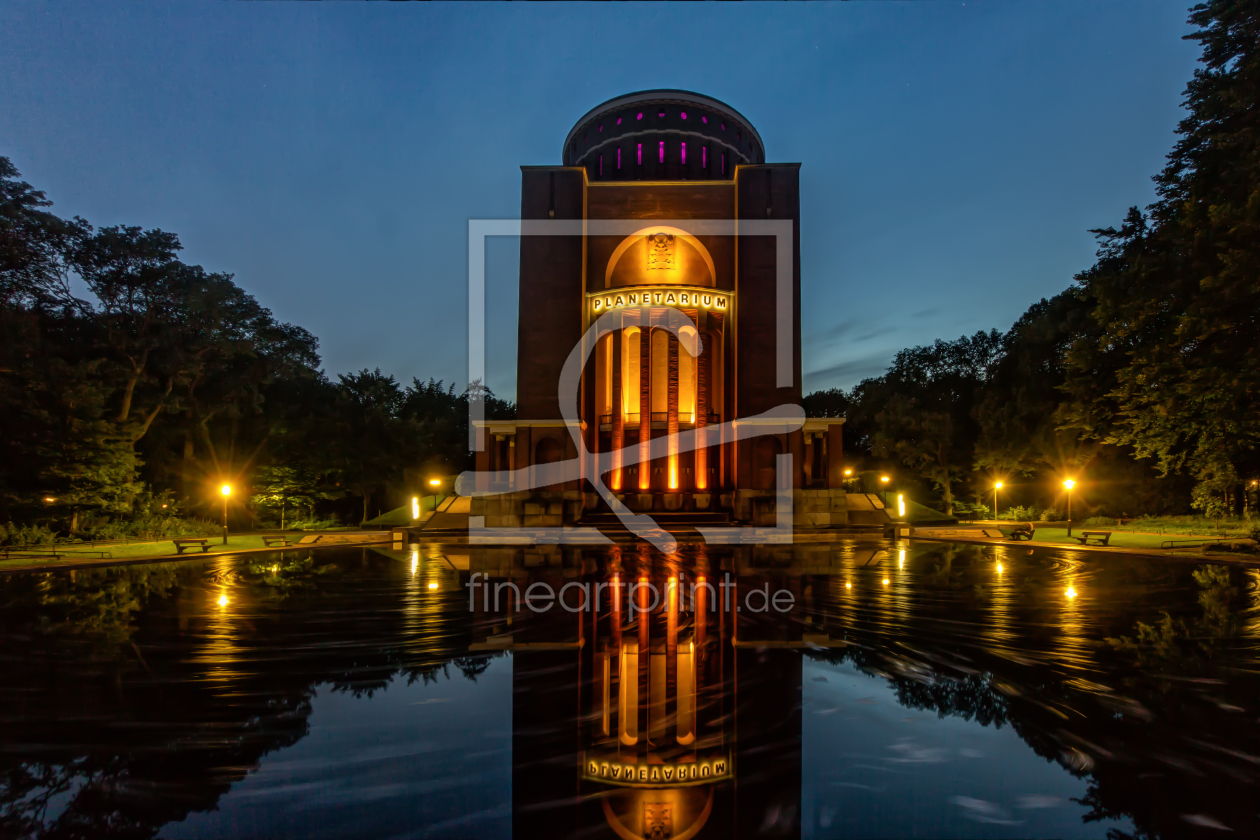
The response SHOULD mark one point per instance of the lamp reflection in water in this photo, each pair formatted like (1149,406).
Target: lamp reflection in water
(1003,600)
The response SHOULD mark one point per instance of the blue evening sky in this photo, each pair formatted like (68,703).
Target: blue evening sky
(954,154)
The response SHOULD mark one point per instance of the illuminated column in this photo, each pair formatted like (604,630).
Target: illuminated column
(628,693)
(618,417)
(672,416)
(702,415)
(645,400)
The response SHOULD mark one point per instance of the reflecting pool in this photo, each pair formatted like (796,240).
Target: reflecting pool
(860,689)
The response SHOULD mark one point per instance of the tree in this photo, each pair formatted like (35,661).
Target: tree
(364,438)
(920,410)
(1169,367)
(1016,413)
(33,244)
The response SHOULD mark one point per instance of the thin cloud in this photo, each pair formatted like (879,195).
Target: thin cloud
(847,373)
(875,332)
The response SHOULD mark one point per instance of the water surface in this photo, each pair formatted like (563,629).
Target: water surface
(909,690)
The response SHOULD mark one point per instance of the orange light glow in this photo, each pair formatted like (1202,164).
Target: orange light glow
(433,584)
(848,585)
(1071,593)
(223,600)
(1069,484)
(226,490)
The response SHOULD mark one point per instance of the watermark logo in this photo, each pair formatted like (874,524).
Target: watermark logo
(779,420)
(630,597)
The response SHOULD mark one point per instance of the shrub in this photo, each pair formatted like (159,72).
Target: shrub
(150,527)
(1053,515)
(1100,520)
(314,524)
(11,534)
(1019,513)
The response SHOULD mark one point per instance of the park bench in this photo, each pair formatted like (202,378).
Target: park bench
(1101,536)
(191,542)
(269,542)
(1023,532)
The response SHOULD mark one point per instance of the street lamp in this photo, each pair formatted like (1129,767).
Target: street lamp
(435,483)
(226,490)
(1069,484)
(996,487)
(883,479)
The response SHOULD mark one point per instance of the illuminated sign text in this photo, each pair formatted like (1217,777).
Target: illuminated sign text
(613,771)
(690,298)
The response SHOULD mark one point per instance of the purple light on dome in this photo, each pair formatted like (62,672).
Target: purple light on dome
(724,126)
(662,151)
(618,120)
(661,114)
(640,116)
(737,135)
(704,119)
(619,158)
(704,157)
(684,115)
(601,128)
(684,152)
(639,154)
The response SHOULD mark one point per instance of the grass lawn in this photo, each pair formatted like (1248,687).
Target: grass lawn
(147,549)
(1120,539)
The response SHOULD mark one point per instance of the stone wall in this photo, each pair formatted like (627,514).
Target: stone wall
(528,508)
(810,508)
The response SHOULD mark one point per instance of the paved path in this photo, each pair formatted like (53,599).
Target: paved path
(69,562)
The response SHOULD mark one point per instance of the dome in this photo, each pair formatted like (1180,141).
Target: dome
(662,135)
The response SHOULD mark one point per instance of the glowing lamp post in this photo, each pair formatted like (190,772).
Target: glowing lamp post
(436,484)
(996,487)
(883,480)
(226,490)
(1068,485)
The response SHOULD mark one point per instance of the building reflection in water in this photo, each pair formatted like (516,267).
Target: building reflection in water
(688,712)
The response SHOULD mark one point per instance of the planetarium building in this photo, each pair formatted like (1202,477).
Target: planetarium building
(697,309)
